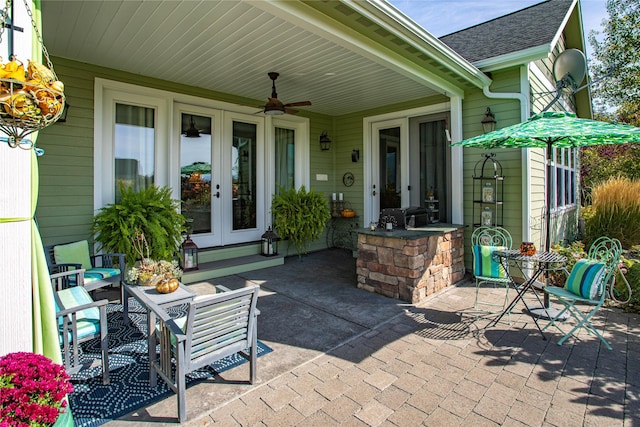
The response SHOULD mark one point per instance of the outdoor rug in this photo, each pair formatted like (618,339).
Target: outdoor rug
(94,404)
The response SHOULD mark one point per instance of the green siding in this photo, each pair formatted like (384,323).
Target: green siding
(507,113)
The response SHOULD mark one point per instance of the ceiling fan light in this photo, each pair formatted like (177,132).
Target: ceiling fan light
(273,110)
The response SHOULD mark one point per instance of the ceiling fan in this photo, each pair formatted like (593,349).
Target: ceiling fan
(274,106)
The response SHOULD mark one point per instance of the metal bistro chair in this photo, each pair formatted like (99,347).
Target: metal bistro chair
(80,318)
(585,290)
(486,269)
(216,326)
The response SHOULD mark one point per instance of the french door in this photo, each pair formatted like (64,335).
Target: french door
(220,165)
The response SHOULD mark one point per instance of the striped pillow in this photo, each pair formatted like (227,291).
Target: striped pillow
(484,264)
(585,278)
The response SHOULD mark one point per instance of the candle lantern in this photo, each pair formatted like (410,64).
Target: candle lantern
(189,254)
(269,243)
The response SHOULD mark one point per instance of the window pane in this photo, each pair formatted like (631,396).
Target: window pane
(285,158)
(195,172)
(134,147)
(433,161)
(243,175)
(390,168)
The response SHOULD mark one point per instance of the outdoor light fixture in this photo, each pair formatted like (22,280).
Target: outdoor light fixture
(192,132)
(489,121)
(269,243)
(325,142)
(189,254)
(355,156)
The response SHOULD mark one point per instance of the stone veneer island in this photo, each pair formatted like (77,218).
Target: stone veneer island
(410,264)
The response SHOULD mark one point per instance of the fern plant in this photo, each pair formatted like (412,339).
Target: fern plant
(150,211)
(299,216)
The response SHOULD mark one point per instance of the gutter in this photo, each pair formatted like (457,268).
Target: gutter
(525,112)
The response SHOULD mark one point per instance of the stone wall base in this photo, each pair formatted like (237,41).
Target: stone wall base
(410,269)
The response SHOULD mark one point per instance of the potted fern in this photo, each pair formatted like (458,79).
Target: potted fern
(151,212)
(299,216)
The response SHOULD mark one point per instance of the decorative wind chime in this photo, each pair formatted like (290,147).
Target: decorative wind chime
(31,97)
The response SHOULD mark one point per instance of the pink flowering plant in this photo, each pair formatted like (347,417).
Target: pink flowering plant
(32,390)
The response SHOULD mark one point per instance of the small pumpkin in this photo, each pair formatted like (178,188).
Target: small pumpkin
(166,286)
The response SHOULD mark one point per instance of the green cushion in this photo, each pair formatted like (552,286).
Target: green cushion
(88,320)
(585,278)
(484,265)
(73,253)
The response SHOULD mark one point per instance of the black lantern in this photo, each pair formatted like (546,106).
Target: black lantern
(269,243)
(189,253)
(325,142)
(489,121)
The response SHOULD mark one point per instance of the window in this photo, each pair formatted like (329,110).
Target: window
(285,158)
(134,147)
(564,163)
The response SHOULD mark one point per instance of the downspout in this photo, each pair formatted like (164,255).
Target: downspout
(525,112)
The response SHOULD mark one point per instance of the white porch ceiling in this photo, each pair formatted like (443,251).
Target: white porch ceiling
(226,46)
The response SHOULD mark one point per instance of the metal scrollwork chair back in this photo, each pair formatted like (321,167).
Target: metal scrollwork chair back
(486,269)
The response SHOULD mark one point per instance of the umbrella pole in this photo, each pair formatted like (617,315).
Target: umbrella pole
(548,312)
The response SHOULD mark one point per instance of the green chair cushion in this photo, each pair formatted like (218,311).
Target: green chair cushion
(73,253)
(484,263)
(88,320)
(585,278)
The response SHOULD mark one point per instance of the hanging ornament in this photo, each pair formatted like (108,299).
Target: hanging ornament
(31,97)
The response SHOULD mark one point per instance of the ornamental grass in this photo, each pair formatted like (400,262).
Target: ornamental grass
(614,212)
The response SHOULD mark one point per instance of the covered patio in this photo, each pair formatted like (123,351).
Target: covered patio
(346,356)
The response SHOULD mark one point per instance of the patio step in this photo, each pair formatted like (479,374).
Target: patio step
(225,267)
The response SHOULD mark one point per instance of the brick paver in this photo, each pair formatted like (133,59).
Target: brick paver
(435,366)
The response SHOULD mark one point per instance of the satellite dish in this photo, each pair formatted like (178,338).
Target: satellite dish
(569,69)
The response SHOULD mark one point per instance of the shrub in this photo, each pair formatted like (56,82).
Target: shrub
(614,212)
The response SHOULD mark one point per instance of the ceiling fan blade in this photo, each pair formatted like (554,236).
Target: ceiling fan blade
(298,104)
(290,111)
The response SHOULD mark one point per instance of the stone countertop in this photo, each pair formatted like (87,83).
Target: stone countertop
(412,233)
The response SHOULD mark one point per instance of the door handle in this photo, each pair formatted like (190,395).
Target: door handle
(374,192)
(218,194)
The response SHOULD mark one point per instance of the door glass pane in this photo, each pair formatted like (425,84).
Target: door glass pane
(243,175)
(390,195)
(195,172)
(134,147)
(433,171)
(285,159)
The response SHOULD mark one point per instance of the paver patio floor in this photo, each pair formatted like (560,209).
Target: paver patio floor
(343,356)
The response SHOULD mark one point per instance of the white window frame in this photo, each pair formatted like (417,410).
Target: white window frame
(567,165)
(107,92)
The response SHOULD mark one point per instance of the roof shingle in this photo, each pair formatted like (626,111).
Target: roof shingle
(530,27)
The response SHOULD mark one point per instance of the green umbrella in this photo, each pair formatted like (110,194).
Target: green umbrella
(200,167)
(554,129)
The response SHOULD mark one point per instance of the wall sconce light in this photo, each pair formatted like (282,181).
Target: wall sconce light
(355,156)
(325,142)
(489,121)
(65,110)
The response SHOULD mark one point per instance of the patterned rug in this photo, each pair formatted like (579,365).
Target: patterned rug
(94,404)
